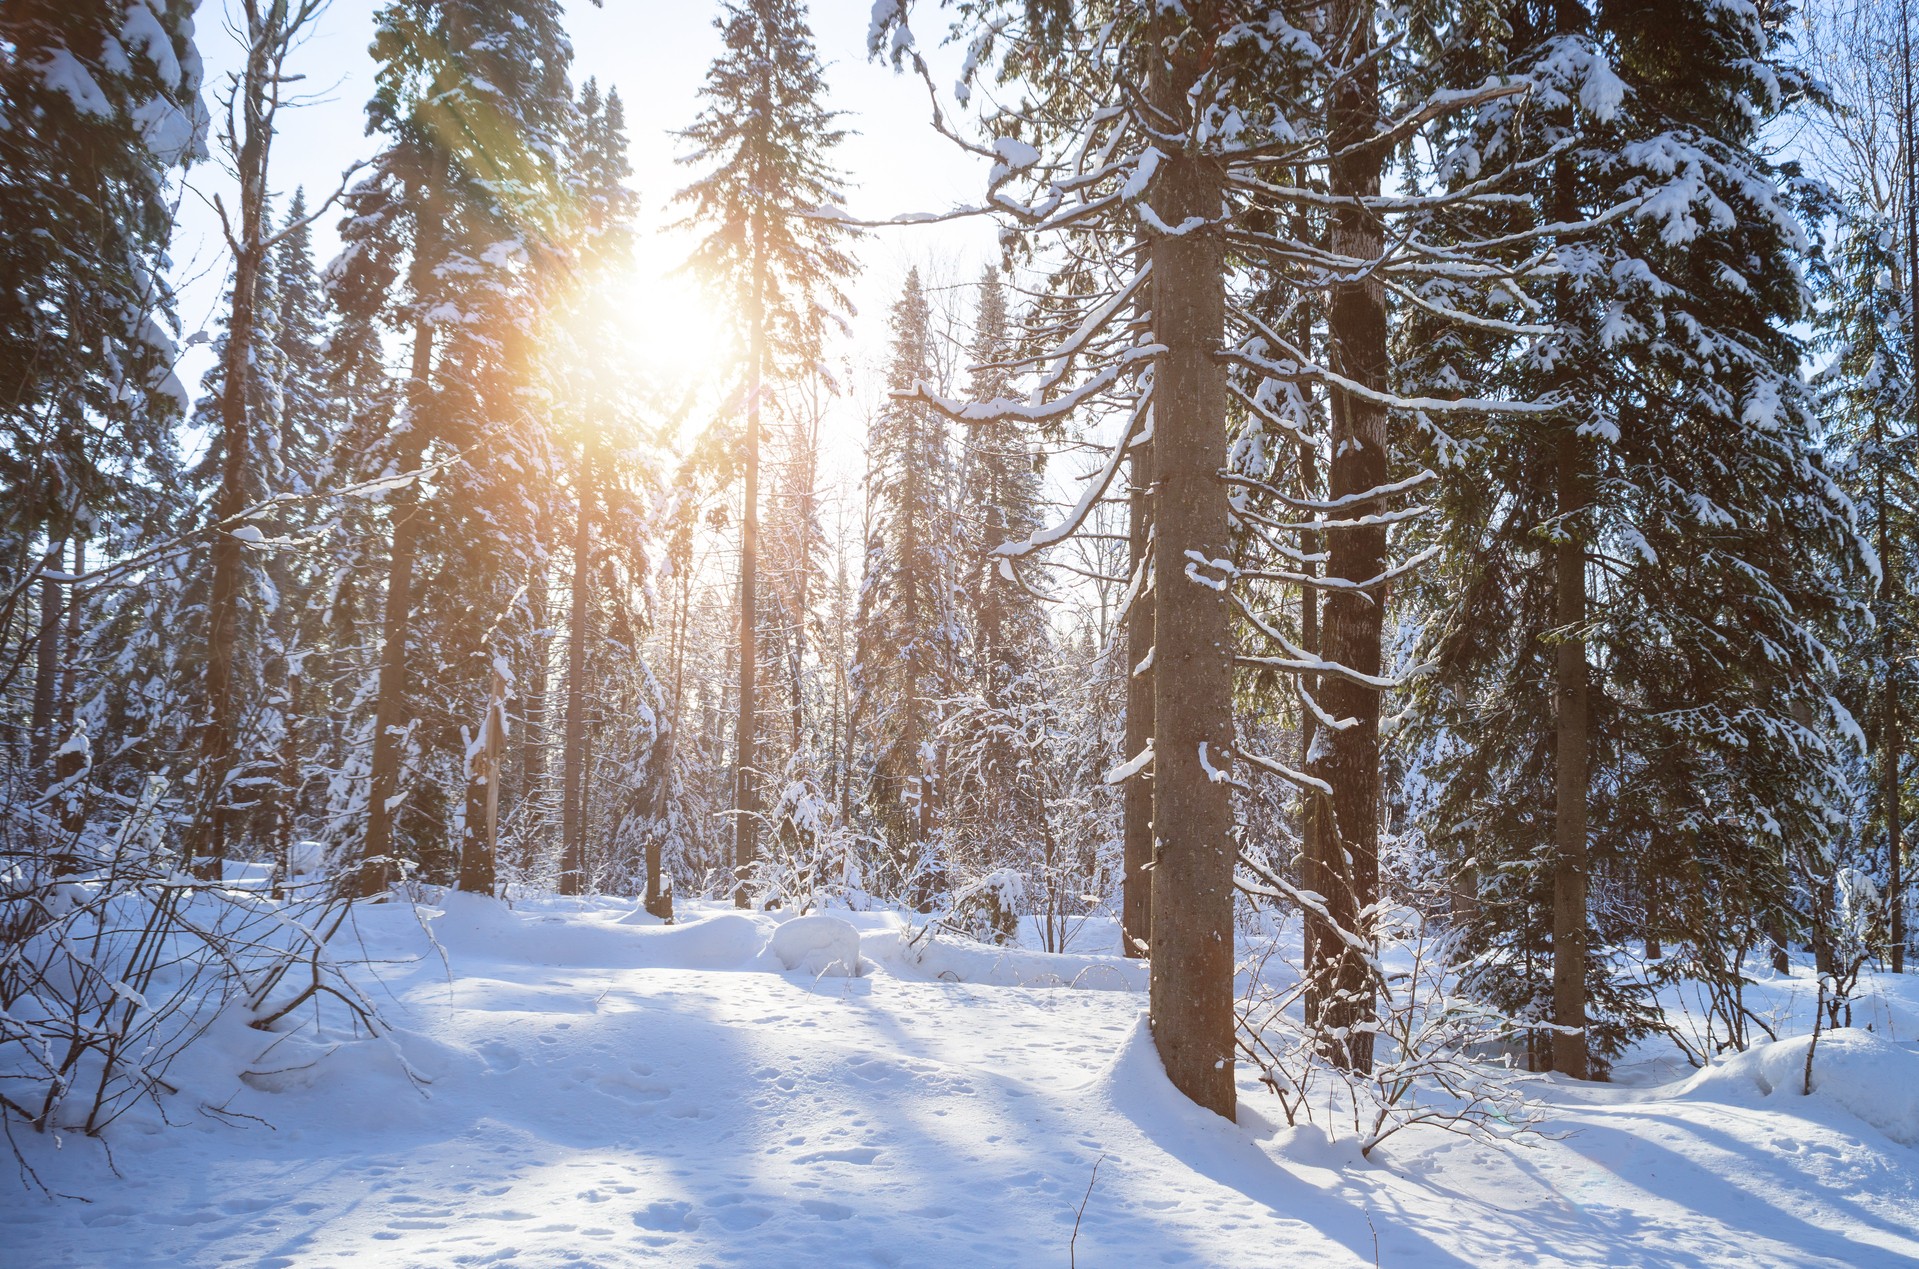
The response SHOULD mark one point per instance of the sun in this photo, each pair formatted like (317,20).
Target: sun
(658,327)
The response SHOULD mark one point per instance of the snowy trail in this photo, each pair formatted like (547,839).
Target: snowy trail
(612,1093)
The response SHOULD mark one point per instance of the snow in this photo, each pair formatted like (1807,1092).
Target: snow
(572,1082)
(1014,154)
(823,946)
(61,72)
(1855,1070)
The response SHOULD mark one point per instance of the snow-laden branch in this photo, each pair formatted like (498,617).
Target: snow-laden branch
(1344,583)
(1306,370)
(1301,661)
(1090,498)
(1376,494)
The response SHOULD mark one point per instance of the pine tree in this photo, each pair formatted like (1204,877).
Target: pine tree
(995,798)
(763,141)
(1863,54)
(473,99)
(1867,392)
(1000,492)
(907,618)
(99,104)
(601,237)
(1673,542)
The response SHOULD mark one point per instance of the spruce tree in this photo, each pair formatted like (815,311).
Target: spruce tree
(1673,542)
(763,143)
(907,614)
(99,106)
(599,238)
(473,100)
(1867,398)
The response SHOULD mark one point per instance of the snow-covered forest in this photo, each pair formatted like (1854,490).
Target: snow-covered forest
(1099,632)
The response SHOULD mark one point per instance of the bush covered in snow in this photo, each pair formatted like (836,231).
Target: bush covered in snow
(114,961)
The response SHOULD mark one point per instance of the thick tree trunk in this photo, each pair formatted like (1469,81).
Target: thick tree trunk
(219,740)
(1191,997)
(1136,903)
(573,757)
(1344,867)
(1570,757)
(206,835)
(746,819)
(390,721)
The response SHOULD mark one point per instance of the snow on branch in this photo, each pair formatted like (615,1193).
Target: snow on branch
(1095,491)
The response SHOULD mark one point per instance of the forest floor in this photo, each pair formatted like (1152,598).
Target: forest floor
(572,1083)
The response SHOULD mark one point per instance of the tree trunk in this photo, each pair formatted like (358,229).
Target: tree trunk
(1572,738)
(46,673)
(1136,903)
(1776,935)
(573,757)
(659,889)
(287,798)
(1191,998)
(1895,875)
(533,711)
(1344,867)
(206,834)
(68,708)
(1308,686)
(745,781)
(1895,844)
(479,849)
(1570,757)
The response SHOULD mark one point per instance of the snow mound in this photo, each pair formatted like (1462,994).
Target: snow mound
(818,945)
(1858,1071)
(485,929)
(958,960)
(725,941)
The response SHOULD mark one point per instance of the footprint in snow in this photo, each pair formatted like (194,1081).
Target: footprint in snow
(499,1057)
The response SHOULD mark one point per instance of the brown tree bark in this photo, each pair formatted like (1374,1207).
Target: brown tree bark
(1572,737)
(1895,734)
(1344,865)
(1895,844)
(573,757)
(1191,995)
(1136,807)
(206,834)
(46,674)
(1572,705)
(746,808)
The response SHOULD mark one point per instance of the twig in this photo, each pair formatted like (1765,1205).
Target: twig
(1072,1245)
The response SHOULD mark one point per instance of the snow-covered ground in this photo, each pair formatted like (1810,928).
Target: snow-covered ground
(575,1084)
